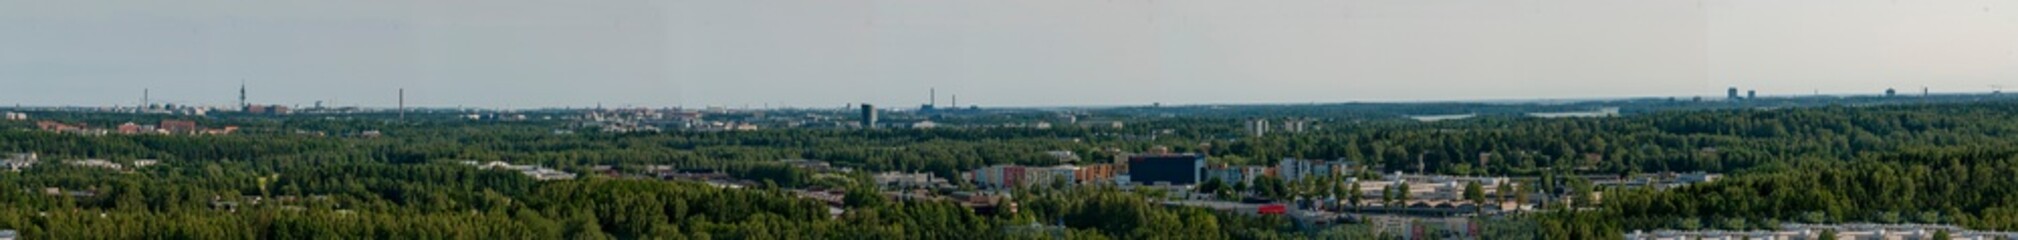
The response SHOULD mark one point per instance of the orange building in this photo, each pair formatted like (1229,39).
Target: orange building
(1096,173)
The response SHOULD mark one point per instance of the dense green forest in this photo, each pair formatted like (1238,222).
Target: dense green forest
(314,178)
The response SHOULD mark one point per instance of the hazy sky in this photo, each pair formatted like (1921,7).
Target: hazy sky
(829,53)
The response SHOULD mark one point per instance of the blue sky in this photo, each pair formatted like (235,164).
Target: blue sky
(830,53)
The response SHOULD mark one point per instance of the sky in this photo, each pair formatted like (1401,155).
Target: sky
(832,53)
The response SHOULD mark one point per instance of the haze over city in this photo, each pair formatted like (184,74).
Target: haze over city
(525,54)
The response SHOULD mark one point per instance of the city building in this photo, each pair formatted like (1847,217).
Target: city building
(145,163)
(1048,176)
(1172,169)
(807,164)
(930,106)
(268,109)
(54,126)
(1295,125)
(1731,93)
(1064,156)
(1006,176)
(1751,94)
(1697,177)
(97,163)
(168,126)
(985,203)
(868,116)
(1297,169)
(130,128)
(1257,127)
(15,116)
(18,161)
(547,174)
(179,126)
(1115,124)
(898,180)
(536,172)
(1236,174)
(1096,173)
(998,176)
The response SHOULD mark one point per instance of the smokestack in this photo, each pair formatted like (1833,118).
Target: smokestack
(956,101)
(935,97)
(402,104)
(144,98)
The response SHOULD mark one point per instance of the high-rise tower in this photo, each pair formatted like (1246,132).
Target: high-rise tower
(868,116)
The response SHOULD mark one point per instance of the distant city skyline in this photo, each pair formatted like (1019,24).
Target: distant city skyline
(991,53)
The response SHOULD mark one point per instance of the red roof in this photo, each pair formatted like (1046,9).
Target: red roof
(1272,209)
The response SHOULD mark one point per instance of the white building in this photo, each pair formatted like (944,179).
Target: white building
(1296,169)
(1698,177)
(18,161)
(897,180)
(545,174)
(98,163)
(1064,156)
(1295,125)
(1045,176)
(536,172)
(1257,127)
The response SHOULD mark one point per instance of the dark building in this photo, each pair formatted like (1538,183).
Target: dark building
(1175,169)
(1751,94)
(868,116)
(1732,93)
(1891,92)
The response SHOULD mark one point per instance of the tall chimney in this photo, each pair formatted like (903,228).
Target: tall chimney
(402,104)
